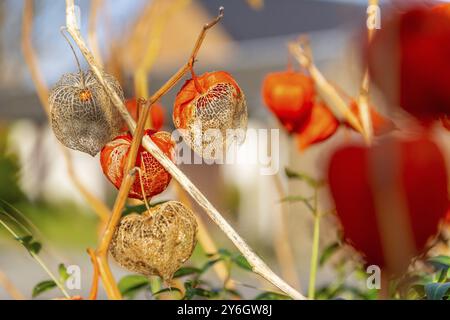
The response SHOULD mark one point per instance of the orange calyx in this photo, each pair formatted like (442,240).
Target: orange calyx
(320,125)
(290,96)
(183,109)
(381,125)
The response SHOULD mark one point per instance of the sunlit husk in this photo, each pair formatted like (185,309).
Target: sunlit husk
(82,115)
(157,242)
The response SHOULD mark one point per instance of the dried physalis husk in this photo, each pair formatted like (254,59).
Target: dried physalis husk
(157,242)
(82,115)
(211,113)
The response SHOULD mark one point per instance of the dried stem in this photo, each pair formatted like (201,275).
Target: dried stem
(10,288)
(92,30)
(257,264)
(302,53)
(30,58)
(282,245)
(141,90)
(95,275)
(102,253)
(363,99)
(152,49)
(205,239)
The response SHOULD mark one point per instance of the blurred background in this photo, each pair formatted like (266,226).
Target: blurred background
(249,42)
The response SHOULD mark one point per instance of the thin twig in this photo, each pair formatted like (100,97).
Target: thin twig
(315,248)
(257,264)
(363,99)
(10,288)
(95,275)
(102,252)
(92,30)
(42,91)
(204,238)
(282,246)
(302,53)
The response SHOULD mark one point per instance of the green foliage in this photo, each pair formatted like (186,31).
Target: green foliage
(9,173)
(313,183)
(33,247)
(437,291)
(271,296)
(42,287)
(62,271)
(422,284)
(328,252)
(131,285)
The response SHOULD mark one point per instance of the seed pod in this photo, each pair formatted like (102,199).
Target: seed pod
(381,125)
(408,61)
(390,197)
(82,115)
(290,96)
(156,114)
(155,178)
(320,125)
(211,101)
(157,242)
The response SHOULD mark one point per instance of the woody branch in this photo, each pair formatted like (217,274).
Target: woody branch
(257,264)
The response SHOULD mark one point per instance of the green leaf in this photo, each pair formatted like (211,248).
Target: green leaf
(32,246)
(170,289)
(328,252)
(130,285)
(440,262)
(224,253)
(62,270)
(242,262)
(304,177)
(186,271)
(437,291)
(233,292)
(271,296)
(209,264)
(42,287)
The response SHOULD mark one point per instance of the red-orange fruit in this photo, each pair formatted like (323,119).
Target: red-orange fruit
(408,60)
(156,114)
(155,178)
(390,198)
(290,96)
(320,125)
(212,101)
(380,124)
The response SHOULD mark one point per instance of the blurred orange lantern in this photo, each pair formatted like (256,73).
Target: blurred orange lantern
(320,125)
(389,198)
(409,61)
(155,178)
(380,124)
(290,96)
(156,114)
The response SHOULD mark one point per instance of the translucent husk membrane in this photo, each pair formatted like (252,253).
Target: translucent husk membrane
(82,115)
(157,242)
(221,108)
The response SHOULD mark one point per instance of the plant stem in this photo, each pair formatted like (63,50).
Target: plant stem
(282,246)
(102,252)
(10,288)
(38,260)
(302,53)
(315,250)
(257,264)
(29,54)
